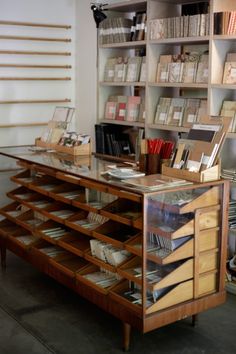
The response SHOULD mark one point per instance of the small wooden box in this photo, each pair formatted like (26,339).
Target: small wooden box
(210,174)
(84,149)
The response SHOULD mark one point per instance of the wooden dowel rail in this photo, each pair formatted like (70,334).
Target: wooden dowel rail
(43,39)
(67,100)
(34,24)
(26,52)
(22,125)
(34,78)
(35,66)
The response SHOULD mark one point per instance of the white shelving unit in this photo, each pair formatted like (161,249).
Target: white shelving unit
(218,45)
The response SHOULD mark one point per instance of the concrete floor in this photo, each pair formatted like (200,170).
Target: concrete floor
(40,316)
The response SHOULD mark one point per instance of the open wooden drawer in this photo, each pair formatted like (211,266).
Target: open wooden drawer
(51,231)
(24,178)
(66,193)
(183,228)
(7,227)
(30,220)
(98,280)
(22,238)
(207,240)
(85,222)
(115,233)
(21,194)
(125,211)
(44,185)
(59,212)
(13,211)
(174,295)
(195,199)
(167,297)
(161,276)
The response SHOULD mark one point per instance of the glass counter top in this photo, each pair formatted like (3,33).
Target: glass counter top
(81,166)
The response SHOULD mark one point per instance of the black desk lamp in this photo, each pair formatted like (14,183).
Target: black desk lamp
(98,15)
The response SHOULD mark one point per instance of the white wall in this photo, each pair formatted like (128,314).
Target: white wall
(43,11)
(86,72)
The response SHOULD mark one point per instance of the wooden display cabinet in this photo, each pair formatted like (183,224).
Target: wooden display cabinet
(173,241)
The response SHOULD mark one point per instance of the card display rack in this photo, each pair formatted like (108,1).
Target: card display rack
(175,242)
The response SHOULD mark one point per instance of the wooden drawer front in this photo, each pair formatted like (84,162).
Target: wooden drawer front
(184,292)
(7,227)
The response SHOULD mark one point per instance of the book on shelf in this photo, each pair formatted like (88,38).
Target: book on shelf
(132,112)
(162,110)
(228,109)
(110,108)
(175,112)
(114,30)
(112,140)
(120,69)
(192,23)
(229,75)
(133,69)
(225,22)
(109,72)
(186,67)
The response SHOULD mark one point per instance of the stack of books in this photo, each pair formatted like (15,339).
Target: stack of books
(63,214)
(111,140)
(92,221)
(139,27)
(55,232)
(115,30)
(25,239)
(102,278)
(181,26)
(163,246)
(186,68)
(180,111)
(120,29)
(125,69)
(52,251)
(225,22)
(108,253)
(124,108)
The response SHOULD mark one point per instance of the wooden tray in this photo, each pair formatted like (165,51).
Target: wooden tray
(84,149)
(211,174)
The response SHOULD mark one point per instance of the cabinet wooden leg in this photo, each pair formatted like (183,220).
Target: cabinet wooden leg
(126,336)
(194,320)
(3,257)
